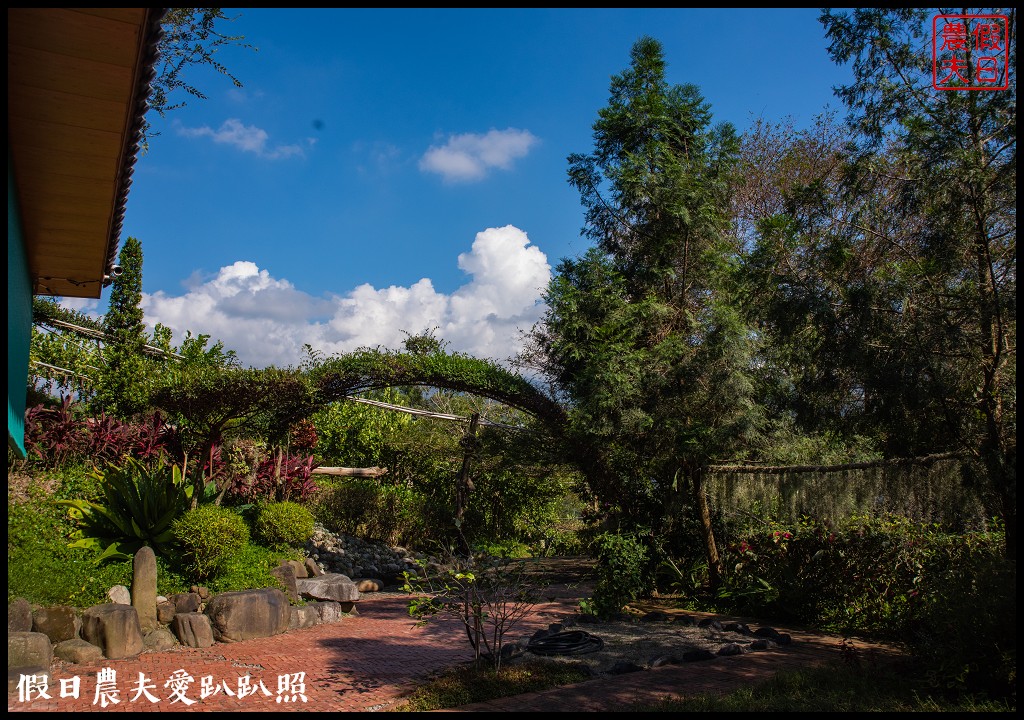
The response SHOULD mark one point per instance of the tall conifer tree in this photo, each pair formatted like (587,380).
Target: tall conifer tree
(122,390)
(639,334)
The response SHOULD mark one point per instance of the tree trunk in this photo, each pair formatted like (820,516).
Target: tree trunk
(716,569)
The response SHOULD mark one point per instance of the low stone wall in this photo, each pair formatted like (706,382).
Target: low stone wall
(135,621)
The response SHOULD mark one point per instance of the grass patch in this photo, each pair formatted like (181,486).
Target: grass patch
(832,688)
(468,684)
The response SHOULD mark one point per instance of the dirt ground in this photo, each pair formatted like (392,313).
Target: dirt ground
(637,638)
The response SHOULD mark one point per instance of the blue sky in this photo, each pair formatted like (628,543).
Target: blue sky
(386,171)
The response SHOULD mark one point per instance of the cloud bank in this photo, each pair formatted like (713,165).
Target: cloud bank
(266,320)
(469,157)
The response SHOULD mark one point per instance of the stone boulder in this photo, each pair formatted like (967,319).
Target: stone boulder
(119,595)
(159,639)
(58,622)
(301,571)
(329,586)
(165,612)
(327,611)
(285,573)
(144,587)
(312,569)
(193,629)
(189,602)
(303,616)
(248,614)
(114,628)
(19,616)
(28,650)
(77,651)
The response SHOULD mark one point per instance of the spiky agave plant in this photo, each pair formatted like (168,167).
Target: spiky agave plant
(139,506)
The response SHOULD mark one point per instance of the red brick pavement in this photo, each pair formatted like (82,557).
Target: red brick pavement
(369,661)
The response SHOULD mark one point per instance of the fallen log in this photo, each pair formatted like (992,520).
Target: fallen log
(350,472)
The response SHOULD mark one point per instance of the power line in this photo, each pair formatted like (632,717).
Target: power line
(100,335)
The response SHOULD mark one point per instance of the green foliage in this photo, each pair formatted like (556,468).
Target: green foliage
(622,573)
(951,597)
(208,402)
(283,524)
(249,568)
(835,687)
(209,536)
(139,505)
(367,369)
(355,435)
(42,567)
(928,234)
(965,629)
(641,333)
(51,348)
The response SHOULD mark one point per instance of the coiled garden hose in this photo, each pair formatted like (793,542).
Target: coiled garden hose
(570,642)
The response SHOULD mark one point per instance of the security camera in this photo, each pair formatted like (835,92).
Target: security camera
(116,271)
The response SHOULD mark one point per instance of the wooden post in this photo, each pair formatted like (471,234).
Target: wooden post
(463,484)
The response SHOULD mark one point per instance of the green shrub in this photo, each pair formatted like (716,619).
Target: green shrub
(366,508)
(249,569)
(622,573)
(963,630)
(951,597)
(209,535)
(284,524)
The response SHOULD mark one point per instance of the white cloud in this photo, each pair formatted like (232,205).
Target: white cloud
(247,138)
(266,321)
(469,156)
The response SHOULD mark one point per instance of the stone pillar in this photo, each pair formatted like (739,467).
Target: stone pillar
(144,588)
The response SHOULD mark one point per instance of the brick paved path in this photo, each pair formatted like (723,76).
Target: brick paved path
(368,661)
(364,662)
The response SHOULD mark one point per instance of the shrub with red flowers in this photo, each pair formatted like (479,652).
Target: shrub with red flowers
(56,436)
(278,478)
(302,437)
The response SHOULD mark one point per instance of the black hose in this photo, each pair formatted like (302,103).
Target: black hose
(571,642)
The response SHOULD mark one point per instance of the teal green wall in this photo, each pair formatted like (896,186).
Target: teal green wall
(19,321)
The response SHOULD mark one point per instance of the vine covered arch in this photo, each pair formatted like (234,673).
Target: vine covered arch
(345,375)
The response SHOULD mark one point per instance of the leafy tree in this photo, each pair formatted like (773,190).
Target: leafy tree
(799,292)
(191,38)
(640,333)
(208,403)
(121,391)
(929,213)
(356,435)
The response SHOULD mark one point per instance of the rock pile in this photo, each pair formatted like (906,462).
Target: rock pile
(356,558)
